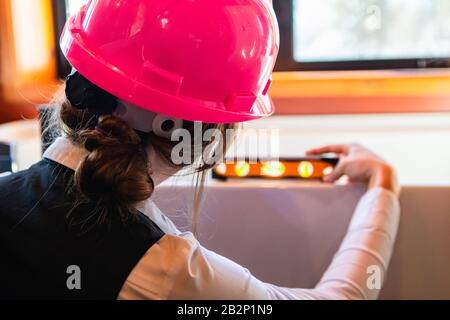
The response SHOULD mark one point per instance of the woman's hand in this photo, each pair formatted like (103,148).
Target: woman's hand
(360,165)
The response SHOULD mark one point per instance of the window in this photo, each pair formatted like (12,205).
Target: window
(72,6)
(363,34)
(27,59)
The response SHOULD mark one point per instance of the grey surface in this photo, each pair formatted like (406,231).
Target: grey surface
(287,233)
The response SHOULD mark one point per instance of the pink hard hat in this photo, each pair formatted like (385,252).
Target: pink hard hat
(197,60)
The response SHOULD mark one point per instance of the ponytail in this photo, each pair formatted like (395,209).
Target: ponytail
(116,171)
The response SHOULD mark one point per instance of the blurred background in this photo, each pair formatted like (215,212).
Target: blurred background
(376,72)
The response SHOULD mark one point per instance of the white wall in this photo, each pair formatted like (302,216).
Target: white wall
(418,145)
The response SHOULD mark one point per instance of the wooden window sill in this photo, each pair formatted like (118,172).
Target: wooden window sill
(344,92)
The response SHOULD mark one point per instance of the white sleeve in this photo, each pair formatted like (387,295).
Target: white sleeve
(179,268)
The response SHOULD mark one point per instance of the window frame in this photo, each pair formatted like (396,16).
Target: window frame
(59,21)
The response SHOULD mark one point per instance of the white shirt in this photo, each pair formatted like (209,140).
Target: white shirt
(178,267)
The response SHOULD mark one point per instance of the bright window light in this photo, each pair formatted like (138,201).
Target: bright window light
(30,35)
(73,6)
(349,30)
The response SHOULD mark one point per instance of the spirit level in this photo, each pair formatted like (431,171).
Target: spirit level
(299,168)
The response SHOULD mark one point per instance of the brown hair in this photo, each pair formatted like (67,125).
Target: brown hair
(116,174)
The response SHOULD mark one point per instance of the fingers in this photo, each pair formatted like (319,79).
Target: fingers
(336,174)
(339,149)
(334,148)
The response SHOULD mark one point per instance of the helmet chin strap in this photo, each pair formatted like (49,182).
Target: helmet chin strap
(137,118)
(147,121)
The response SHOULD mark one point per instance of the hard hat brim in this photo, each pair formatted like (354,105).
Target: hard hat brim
(132,91)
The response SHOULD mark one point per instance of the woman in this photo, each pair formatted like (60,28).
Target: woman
(80,224)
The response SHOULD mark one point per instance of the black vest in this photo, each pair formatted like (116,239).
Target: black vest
(40,240)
